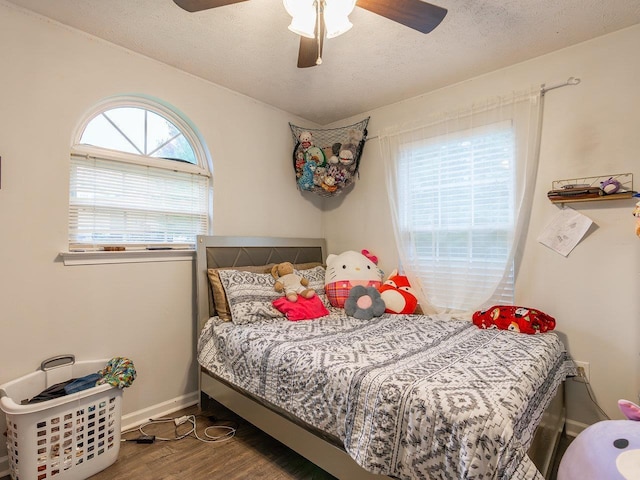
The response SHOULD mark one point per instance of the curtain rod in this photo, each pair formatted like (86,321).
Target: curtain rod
(543,89)
(570,81)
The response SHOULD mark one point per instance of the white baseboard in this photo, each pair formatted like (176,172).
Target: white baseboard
(573,428)
(135,419)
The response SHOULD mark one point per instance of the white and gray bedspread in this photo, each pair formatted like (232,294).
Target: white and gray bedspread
(413,397)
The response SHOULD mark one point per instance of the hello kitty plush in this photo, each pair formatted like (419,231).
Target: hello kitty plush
(345,271)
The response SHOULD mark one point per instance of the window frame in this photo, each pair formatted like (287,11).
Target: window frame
(524,110)
(154,105)
(406,226)
(77,254)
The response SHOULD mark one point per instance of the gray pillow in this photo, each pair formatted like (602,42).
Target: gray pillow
(250,295)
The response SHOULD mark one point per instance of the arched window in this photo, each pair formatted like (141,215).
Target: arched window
(139,179)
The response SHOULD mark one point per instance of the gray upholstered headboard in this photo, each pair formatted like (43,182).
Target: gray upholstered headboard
(218,252)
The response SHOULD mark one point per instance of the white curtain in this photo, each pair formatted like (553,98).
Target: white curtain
(460,188)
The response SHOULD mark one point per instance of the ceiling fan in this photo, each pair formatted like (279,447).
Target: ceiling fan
(415,14)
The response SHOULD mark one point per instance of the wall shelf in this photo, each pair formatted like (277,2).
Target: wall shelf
(615,196)
(590,186)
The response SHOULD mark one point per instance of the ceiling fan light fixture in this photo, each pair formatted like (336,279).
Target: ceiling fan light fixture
(303,26)
(334,30)
(303,17)
(336,16)
(314,20)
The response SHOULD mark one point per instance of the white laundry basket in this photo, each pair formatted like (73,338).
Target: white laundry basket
(67,438)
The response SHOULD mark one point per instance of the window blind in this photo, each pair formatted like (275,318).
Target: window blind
(457,205)
(114,202)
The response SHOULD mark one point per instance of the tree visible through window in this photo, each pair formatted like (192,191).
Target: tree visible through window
(138,178)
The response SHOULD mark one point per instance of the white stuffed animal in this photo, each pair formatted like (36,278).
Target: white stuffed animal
(347,270)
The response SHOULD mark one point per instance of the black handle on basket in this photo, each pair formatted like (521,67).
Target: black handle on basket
(57,361)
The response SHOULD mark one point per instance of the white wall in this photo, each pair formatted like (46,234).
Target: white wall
(51,76)
(589,130)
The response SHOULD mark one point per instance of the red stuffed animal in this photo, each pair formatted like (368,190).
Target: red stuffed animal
(517,319)
(398,295)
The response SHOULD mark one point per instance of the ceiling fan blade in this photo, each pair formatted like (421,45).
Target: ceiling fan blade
(310,52)
(415,14)
(198,5)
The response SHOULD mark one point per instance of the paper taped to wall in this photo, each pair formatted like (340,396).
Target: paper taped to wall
(565,231)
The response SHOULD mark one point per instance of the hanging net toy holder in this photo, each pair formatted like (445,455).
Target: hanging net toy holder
(326,161)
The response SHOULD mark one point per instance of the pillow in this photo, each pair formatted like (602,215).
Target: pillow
(315,276)
(303,309)
(250,295)
(306,266)
(220,300)
(364,303)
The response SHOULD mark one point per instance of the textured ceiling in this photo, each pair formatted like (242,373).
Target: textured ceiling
(247,47)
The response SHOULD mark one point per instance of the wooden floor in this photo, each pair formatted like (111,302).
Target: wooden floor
(251,454)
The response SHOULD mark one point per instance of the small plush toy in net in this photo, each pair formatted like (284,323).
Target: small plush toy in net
(326,161)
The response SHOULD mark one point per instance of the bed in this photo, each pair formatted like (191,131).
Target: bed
(394,397)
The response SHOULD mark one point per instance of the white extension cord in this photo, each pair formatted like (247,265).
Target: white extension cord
(192,431)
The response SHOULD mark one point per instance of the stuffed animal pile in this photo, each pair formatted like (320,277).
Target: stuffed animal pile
(326,161)
(353,281)
(315,173)
(299,302)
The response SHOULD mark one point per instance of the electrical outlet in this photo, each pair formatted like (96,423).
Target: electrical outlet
(583,369)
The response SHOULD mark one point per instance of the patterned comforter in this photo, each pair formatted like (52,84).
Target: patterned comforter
(428,397)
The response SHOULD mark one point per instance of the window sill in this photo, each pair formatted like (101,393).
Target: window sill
(127,256)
